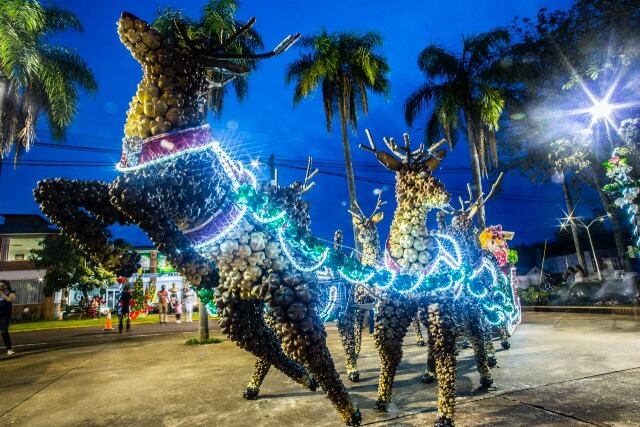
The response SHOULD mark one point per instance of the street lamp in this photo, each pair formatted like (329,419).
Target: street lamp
(577,221)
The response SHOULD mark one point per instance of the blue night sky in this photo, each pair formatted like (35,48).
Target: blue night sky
(266,121)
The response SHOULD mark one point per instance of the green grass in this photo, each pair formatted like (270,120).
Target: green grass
(197,341)
(39,325)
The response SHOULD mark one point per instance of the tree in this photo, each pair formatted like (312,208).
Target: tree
(581,56)
(217,22)
(467,92)
(67,268)
(346,66)
(37,77)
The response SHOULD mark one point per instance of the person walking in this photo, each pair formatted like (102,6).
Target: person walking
(124,306)
(177,309)
(163,304)
(189,299)
(7,297)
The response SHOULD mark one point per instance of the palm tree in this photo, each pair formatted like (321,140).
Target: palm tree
(346,66)
(217,23)
(37,77)
(467,92)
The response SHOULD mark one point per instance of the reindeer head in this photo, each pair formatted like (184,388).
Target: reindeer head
(462,219)
(176,78)
(366,229)
(414,179)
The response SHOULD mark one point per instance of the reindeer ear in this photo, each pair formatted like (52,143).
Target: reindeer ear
(377,217)
(141,40)
(434,162)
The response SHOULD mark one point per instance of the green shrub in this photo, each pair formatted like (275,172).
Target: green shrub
(197,341)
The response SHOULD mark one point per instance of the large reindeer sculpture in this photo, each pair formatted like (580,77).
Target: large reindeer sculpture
(175,185)
(352,320)
(409,251)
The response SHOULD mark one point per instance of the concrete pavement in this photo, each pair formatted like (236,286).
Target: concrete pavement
(562,369)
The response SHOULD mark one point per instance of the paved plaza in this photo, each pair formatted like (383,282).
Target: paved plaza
(562,369)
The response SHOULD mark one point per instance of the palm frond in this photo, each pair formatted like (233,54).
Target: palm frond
(420,99)
(437,63)
(58,19)
(482,47)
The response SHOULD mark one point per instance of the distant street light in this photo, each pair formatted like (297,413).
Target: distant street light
(570,219)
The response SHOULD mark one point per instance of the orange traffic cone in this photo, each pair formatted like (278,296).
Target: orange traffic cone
(108,326)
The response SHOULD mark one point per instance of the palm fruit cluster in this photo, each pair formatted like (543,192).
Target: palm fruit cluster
(67,201)
(172,93)
(417,192)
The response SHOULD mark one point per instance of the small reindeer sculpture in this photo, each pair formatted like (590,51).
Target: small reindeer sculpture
(351,322)
(463,228)
(409,251)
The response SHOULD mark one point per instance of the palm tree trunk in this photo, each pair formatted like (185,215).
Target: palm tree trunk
(574,227)
(204,321)
(616,224)
(351,181)
(475,169)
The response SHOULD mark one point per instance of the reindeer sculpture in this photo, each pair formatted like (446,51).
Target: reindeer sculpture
(351,322)
(176,184)
(463,228)
(409,250)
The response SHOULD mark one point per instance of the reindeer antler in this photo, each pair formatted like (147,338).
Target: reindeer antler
(481,200)
(403,154)
(308,176)
(222,62)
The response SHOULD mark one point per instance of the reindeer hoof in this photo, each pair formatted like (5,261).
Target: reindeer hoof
(420,343)
(505,345)
(492,361)
(443,422)
(381,405)
(356,418)
(313,384)
(251,393)
(485,383)
(428,378)
(354,376)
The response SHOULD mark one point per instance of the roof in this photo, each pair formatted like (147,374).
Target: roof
(25,224)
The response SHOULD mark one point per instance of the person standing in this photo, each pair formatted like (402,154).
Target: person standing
(163,304)
(7,297)
(124,307)
(189,299)
(177,309)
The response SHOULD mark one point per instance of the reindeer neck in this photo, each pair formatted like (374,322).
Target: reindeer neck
(172,93)
(369,242)
(416,193)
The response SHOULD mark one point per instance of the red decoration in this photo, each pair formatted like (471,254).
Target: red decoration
(121,280)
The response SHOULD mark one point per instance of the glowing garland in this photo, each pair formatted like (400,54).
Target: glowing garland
(628,189)
(447,267)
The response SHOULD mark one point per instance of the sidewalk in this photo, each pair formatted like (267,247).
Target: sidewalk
(563,369)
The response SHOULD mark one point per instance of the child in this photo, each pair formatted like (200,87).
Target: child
(177,309)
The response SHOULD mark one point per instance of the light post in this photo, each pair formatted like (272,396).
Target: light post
(577,221)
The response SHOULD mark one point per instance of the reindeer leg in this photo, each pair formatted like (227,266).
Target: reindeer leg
(504,338)
(142,198)
(479,342)
(360,298)
(415,323)
(391,329)
(291,296)
(260,371)
(429,375)
(443,330)
(346,328)
(243,322)
(83,211)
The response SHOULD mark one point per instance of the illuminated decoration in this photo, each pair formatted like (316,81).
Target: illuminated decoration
(203,211)
(625,188)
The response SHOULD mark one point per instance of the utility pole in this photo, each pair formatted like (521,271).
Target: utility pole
(272,169)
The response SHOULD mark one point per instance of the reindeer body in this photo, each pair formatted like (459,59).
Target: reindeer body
(175,186)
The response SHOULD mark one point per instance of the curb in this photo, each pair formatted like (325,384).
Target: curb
(626,311)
